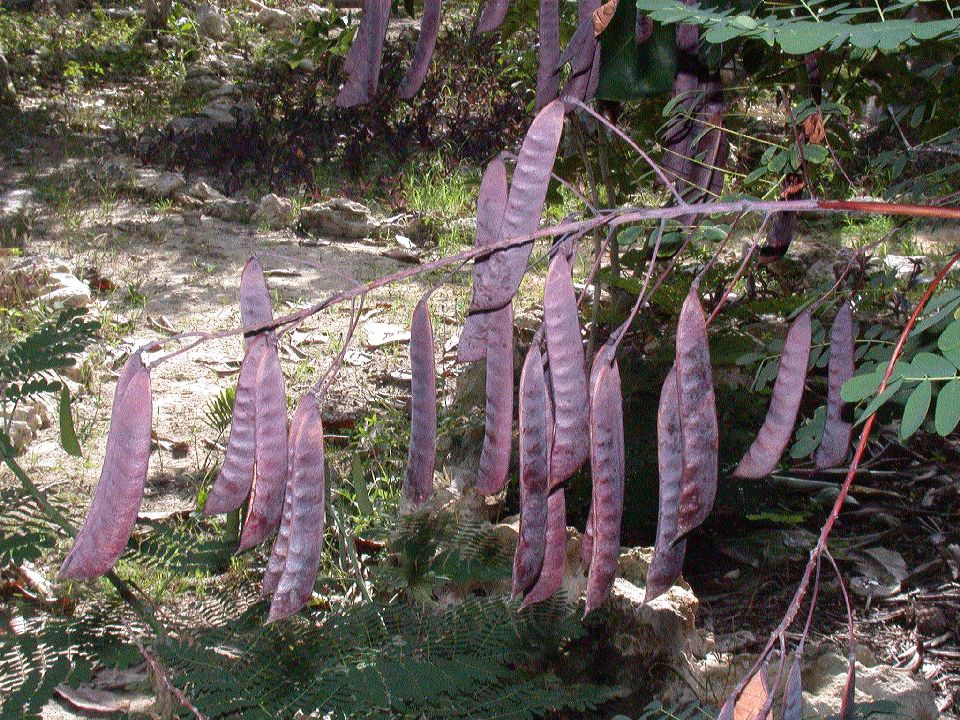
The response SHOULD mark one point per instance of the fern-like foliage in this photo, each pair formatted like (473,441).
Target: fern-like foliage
(43,651)
(25,533)
(374,660)
(804,27)
(219,411)
(29,366)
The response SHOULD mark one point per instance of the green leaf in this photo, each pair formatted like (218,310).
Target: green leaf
(880,400)
(949,342)
(804,37)
(361,494)
(947,414)
(916,409)
(631,72)
(925,364)
(68,436)
(815,154)
(860,387)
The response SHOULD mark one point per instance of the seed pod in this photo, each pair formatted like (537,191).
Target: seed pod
(278,555)
(548,67)
(307,516)
(422,456)
(363,65)
(836,430)
(603,356)
(491,204)
(555,556)
(698,417)
(233,483)
(528,191)
(793,691)
(256,307)
(583,53)
(607,468)
(423,53)
(565,350)
(535,430)
(116,501)
(847,699)
(266,499)
(498,432)
(667,563)
(764,454)
(780,229)
(493,15)
(753,699)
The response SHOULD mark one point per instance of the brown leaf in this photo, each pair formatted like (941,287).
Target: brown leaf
(752,699)
(603,15)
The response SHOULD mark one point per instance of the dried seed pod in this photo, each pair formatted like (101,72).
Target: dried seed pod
(266,499)
(667,563)
(555,556)
(607,469)
(753,699)
(793,690)
(698,416)
(235,478)
(780,229)
(583,54)
(764,454)
(528,191)
(116,501)
(278,555)
(423,53)
(363,64)
(535,431)
(847,699)
(565,350)
(422,456)
(498,433)
(305,546)
(586,545)
(548,67)
(837,432)
(256,307)
(491,204)
(603,356)
(493,15)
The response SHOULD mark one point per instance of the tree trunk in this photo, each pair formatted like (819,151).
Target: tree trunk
(8,96)
(156,13)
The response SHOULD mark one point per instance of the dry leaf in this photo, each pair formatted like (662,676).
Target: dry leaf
(603,15)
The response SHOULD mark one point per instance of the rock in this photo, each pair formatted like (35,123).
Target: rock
(338,219)
(824,675)
(220,113)
(275,19)
(230,210)
(157,184)
(904,266)
(66,290)
(20,434)
(211,23)
(199,190)
(200,84)
(225,90)
(274,212)
(17,201)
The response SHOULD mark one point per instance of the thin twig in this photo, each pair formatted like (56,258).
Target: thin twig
(159,671)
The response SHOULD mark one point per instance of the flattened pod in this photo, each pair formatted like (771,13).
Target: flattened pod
(780,231)
(565,350)
(233,483)
(764,454)
(498,432)
(493,15)
(836,430)
(602,356)
(548,68)
(365,55)
(698,417)
(423,53)
(278,555)
(667,563)
(555,556)
(422,456)
(491,204)
(255,305)
(793,691)
(753,698)
(307,517)
(528,191)
(116,501)
(607,468)
(535,432)
(266,500)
